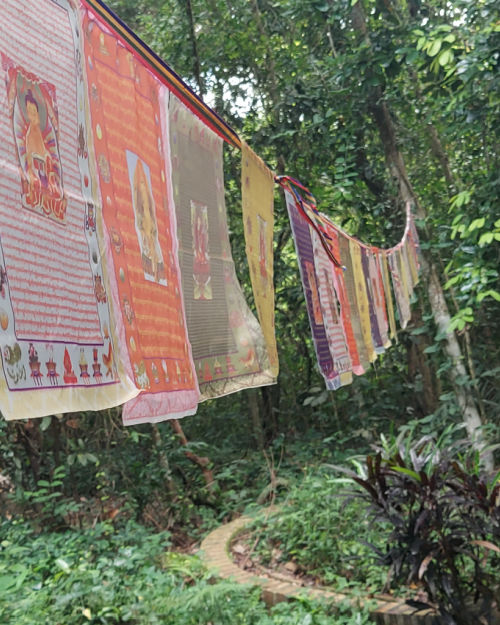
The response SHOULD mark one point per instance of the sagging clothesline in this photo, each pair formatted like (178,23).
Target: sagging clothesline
(186,95)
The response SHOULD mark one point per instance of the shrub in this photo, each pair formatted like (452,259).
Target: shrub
(444,518)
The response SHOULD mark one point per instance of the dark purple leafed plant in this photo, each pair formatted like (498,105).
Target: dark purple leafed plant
(444,518)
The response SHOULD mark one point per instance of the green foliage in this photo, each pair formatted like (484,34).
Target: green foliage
(49,500)
(104,576)
(322,534)
(97,576)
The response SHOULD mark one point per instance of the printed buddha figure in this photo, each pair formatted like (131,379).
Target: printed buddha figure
(42,171)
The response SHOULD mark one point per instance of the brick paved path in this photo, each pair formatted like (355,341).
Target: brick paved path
(215,551)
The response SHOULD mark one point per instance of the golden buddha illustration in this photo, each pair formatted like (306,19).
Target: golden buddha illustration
(35,127)
(145,220)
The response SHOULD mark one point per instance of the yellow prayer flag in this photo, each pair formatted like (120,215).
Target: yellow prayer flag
(257,189)
(362,298)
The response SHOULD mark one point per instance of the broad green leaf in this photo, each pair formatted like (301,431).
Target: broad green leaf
(490,293)
(445,57)
(476,224)
(434,47)
(45,423)
(421,43)
(451,282)
(486,238)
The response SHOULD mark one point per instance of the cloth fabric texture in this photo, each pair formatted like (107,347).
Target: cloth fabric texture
(362,299)
(92,311)
(257,200)
(117,283)
(331,307)
(323,346)
(130,142)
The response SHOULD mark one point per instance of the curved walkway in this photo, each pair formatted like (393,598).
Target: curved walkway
(215,551)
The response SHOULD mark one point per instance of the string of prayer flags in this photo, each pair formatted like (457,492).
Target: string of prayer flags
(257,194)
(346,286)
(117,282)
(229,348)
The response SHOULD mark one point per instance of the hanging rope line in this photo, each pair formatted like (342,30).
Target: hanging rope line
(309,211)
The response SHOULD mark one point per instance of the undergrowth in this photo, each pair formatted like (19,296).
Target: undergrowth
(107,575)
(321,532)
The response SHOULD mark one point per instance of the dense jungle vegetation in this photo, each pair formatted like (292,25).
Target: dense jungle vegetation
(370,104)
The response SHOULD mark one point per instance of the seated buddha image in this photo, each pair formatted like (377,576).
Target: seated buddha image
(38,151)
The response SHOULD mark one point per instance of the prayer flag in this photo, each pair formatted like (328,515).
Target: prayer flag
(257,191)
(332,312)
(57,336)
(367,264)
(130,147)
(399,283)
(362,298)
(345,307)
(388,294)
(228,345)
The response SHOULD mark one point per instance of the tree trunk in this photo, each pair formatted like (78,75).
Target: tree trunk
(253,407)
(454,184)
(29,433)
(419,364)
(55,426)
(194,46)
(437,300)
(271,64)
(202,461)
(440,155)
